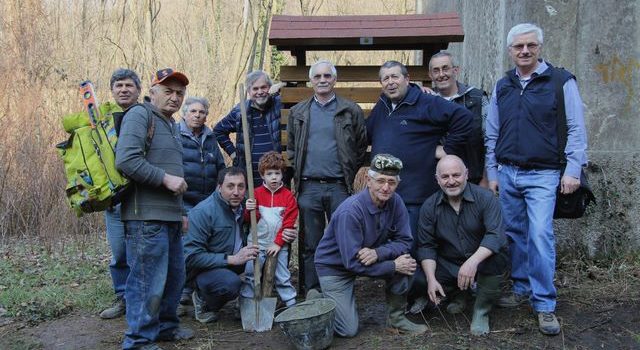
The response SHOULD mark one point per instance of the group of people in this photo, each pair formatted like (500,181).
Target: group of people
(429,221)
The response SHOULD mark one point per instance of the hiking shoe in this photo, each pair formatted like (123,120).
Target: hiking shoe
(150,346)
(118,309)
(200,310)
(511,300)
(313,294)
(548,323)
(178,333)
(418,305)
(185,299)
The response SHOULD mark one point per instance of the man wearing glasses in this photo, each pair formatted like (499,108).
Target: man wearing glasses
(369,235)
(526,163)
(444,72)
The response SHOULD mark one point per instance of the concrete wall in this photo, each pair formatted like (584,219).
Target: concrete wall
(599,41)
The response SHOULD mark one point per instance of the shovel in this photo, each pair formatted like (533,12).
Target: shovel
(256,313)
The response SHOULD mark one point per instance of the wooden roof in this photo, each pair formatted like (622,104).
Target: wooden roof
(388,32)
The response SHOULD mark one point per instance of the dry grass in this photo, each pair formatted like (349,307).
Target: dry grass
(50,46)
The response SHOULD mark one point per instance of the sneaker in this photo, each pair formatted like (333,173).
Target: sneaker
(118,309)
(313,294)
(179,333)
(200,310)
(512,299)
(150,346)
(418,305)
(548,323)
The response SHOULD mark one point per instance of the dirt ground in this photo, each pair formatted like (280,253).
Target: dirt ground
(611,322)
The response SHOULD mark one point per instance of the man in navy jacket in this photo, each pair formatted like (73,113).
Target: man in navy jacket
(410,124)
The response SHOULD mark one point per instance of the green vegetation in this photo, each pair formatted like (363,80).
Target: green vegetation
(37,286)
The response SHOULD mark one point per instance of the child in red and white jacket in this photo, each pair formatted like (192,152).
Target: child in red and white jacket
(277,210)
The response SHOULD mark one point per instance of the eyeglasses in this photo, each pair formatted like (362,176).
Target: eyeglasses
(381,182)
(443,70)
(529,46)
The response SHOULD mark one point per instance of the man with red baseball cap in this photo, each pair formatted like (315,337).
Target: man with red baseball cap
(152,213)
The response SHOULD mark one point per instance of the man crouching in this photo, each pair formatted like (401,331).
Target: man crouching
(460,241)
(369,235)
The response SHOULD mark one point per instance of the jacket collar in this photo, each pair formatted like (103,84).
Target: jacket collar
(273,192)
(372,208)
(543,70)
(463,89)
(341,105)
(224,204)
(467,196)
(186,131)
(411,97)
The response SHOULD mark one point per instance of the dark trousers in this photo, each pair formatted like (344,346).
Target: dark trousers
(447,273)
(219,286)
(316,202)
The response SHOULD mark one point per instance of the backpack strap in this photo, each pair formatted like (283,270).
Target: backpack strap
(151,123)
(151,127)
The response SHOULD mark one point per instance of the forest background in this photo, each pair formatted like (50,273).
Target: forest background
(49,46)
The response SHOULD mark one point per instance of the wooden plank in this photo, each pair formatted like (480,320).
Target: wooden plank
(356,94)
(350,73)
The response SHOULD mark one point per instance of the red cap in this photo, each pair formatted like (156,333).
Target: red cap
(167,74)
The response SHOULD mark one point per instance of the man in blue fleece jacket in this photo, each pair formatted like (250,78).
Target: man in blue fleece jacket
(368,235)
(409,124)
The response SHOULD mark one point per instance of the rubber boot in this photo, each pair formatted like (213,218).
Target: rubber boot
(396,318)
(459,302)
(486,296)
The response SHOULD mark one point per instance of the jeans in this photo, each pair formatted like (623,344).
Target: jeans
(282,278)
(115,236)
(528,197)
(219,286)
(316,202)
(154,254)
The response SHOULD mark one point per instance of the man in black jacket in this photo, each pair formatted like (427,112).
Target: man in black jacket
(444,72)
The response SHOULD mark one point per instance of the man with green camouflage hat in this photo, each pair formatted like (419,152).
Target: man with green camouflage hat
(369,235)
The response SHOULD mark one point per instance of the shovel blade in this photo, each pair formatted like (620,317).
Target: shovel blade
(257,314)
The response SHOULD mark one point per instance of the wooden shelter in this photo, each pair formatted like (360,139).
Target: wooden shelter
(299,34)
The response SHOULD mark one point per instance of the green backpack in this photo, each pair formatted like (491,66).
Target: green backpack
(93,182)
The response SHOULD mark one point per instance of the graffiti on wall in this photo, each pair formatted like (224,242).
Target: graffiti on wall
(621,71)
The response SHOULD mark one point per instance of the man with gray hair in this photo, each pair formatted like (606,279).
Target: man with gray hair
(263,114)
(526,159)
(444,73)
(369,235)
(125,90)
(152,213)
(326,146)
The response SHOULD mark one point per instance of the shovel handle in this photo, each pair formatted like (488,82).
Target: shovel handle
(257,272)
